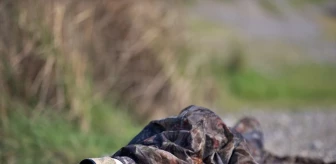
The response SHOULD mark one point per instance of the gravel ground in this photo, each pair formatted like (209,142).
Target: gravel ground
(310,133)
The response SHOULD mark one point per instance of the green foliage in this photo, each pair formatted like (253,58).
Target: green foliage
(51,138)
(305,83)
(288,86)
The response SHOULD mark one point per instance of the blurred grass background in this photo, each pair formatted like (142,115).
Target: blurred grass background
(80,78)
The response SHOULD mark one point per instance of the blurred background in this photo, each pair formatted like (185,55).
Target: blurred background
(80,78)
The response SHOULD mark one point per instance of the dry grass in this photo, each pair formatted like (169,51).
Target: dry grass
(65,54)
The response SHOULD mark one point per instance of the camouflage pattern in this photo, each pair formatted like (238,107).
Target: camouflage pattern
(197,135)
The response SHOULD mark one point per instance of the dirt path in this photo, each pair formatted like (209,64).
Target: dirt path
(311,133)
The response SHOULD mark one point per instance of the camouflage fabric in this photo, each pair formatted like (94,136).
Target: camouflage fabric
(197,135)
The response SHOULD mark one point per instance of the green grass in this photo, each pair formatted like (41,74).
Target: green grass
(50,138)
(300,85)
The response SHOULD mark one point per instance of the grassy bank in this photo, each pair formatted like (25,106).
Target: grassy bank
(62,61)
(49,137)
(298,87)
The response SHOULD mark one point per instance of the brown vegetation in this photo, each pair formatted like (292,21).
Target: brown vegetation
(66,54)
